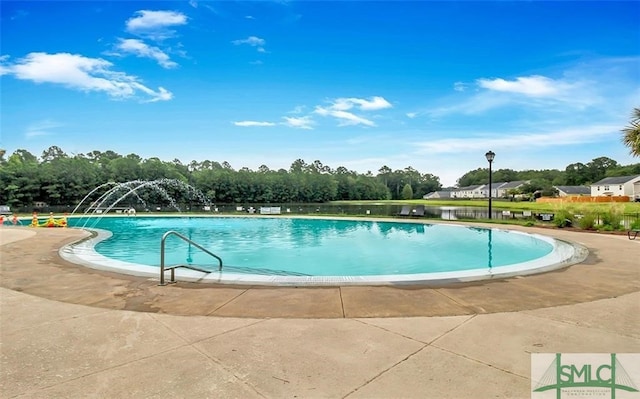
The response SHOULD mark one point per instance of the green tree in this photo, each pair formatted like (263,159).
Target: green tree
(631,133)
(407,192)
(598,168)
(20,180)
(577,174)
(474,177)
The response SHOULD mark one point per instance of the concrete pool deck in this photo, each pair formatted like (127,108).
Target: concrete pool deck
(68,331)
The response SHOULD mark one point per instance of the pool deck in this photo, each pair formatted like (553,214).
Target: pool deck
(73,332)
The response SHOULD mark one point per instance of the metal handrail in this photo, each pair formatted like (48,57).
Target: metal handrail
(173,268)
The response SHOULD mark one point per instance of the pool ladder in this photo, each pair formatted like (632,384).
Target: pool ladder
(163,268)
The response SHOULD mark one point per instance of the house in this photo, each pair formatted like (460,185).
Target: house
(501,189)
(505,189)
(573,191)
(468,192)
(617,186)
(484,190)
(498,190)
(438,195)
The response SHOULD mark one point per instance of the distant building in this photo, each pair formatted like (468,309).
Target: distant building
(617,186)
(438,195)
(498,190)
(468,192)
(570,191)
(505,188)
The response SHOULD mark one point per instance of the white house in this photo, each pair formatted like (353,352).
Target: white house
(617,186)
(438,195)
(468,192)
(498,190)
(505,188)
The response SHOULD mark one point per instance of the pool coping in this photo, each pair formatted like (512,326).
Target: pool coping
(564,254)
(33,265)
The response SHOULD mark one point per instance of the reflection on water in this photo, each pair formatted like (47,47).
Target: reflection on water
(490,249)
(489,237)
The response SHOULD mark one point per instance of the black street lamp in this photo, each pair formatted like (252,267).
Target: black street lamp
(490,155)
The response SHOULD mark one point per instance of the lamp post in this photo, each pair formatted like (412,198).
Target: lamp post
(490,155)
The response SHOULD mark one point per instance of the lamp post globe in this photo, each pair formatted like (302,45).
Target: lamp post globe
(490,156)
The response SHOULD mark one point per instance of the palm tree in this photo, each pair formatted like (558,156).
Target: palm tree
(631,137)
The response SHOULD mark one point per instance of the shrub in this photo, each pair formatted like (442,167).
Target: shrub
(635,225)
(612,219)
(587,221)
(607,227)
(563,218)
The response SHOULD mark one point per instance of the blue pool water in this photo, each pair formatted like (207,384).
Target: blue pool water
(317,247)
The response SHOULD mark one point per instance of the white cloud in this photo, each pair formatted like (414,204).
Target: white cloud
(303,122)
(253,124)
(252,41)
(339,109)
(3,69)
(81,73)
(41,128)
(535,86)
(161,95)
(155,24)
(530,94)
(459,86)
(249,17)
(193,3)
(141,49)
(373,104)
(298,109)
(344,118)
(552,138)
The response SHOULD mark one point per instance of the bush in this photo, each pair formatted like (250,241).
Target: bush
(612,220)
(607,227)
(635,225)
(587,221)
(563,218)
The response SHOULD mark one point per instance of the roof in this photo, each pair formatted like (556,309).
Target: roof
(441,194)
(616,180)
(444,193)
(513,184)
(470,188)
(574,189)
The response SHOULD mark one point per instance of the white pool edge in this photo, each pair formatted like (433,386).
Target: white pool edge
(564,254)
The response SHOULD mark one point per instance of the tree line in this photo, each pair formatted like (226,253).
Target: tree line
(58,179)
(575,174)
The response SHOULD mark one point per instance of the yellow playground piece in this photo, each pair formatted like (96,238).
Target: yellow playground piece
(50,222)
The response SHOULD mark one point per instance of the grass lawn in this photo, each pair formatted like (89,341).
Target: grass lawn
(578,207)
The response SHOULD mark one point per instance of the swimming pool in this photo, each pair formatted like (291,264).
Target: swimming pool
(279,250)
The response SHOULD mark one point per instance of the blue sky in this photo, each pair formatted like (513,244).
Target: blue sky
(431,85)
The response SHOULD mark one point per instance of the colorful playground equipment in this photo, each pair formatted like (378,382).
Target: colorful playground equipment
(50,222)
(14,220)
